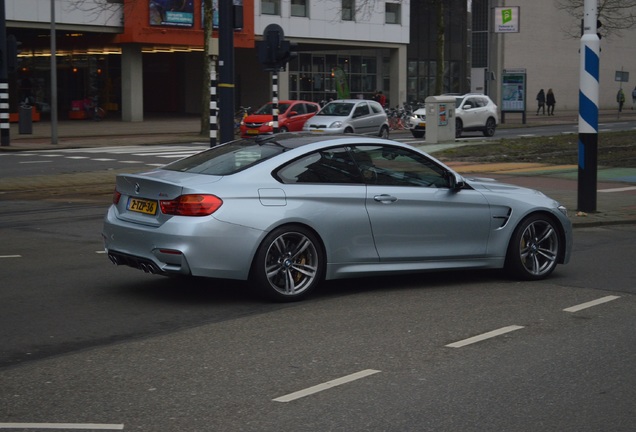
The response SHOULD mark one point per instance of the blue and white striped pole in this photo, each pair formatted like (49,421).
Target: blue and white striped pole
(588,109)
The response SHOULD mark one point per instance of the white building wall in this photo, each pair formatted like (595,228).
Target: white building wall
(324,23)
(67,12)
(552,59)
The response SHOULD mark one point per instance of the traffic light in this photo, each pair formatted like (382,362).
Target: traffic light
(274,51)
(13,49)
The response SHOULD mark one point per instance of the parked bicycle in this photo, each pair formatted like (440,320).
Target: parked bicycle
(93,110)
(238,118)
(398,117)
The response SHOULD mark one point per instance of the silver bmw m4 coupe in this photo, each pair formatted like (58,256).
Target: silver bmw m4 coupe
(288,211)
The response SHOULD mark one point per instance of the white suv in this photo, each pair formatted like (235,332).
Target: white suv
(473,112)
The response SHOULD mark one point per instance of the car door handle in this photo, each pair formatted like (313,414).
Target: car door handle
(385,199)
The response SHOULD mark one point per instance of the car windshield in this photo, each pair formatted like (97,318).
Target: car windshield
(227,159)
(342,109)
(458,101)
(267,108)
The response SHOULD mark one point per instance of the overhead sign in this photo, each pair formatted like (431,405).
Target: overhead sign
(507,19)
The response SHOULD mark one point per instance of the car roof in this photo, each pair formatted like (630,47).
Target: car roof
(351,100)
(298,139)
(288,101)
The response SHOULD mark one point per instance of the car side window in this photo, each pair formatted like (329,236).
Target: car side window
(299,108)
(396,166)
(311,108)
(330,166)
(376,108)
(361,110)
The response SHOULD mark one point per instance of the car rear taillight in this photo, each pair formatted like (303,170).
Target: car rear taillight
(191,205)
(116,196)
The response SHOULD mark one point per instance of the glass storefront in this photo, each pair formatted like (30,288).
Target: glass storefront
(314,76)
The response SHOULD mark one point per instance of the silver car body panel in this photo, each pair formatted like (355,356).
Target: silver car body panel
(364,229)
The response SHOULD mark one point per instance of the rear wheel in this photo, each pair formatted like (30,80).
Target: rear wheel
(459,128)
(489,130)
(534,248)
(289,264)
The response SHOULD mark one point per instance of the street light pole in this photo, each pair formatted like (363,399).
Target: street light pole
(5,126)
(53,77)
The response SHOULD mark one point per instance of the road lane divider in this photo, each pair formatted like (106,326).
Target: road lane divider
(591,304)
(327,385)
(62,426)
(484,336)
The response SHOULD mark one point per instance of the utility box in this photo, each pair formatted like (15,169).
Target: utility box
(440,119)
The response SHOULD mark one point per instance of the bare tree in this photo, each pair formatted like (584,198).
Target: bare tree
(614,15)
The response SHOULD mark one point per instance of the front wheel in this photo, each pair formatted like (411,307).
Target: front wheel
(489,130)
(534,248)
(289,264)
(384,132)
(417,134)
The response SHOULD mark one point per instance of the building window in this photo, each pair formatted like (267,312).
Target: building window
(270,7)
(392,13)
(348,10)
(299,8)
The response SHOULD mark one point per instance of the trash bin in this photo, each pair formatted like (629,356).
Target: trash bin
(25,121)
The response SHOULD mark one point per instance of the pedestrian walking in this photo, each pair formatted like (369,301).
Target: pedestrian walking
(620,98)
(633,97)
(541,101)
(550,101)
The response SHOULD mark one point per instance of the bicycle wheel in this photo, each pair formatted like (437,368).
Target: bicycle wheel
(100,113)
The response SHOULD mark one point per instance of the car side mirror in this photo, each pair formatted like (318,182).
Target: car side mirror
(292,113)
(455,181)
(468,106)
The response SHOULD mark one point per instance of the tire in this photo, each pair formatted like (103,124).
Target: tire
(283,130)
(289,264)
(489,130)
(459,128)
(384,132)
(417,134)
(348,130)
(534,248)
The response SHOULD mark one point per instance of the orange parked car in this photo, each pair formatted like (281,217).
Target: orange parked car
(292,115)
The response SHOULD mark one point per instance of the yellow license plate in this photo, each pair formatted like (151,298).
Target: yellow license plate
(421,124)
(316,130)
(142,206)
(252,131)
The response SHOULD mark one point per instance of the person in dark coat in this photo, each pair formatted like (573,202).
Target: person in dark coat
(541,101)
(550,101)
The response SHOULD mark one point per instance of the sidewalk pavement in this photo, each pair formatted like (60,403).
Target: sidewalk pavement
(616,188)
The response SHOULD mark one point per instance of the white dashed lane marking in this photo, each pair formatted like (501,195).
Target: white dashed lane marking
(325,386)
(484,336)
(591,304)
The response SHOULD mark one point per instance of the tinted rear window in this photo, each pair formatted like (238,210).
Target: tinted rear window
(226,159)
